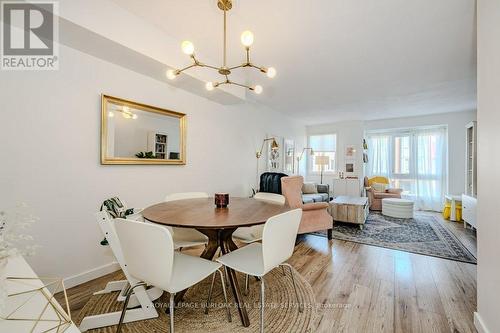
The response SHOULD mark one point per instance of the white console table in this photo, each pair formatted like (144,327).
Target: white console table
(469,205)
(350,187)
(18,267)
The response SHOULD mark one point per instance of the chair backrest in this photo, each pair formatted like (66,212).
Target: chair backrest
(148,250)
(270,197)
(270,182)
(278,238)
(108,229)
(185,195)
(292,190)
(376,179)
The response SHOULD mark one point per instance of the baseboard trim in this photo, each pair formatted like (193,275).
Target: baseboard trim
(478,323)
(75,280)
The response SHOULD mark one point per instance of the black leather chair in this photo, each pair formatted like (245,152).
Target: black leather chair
(270,182)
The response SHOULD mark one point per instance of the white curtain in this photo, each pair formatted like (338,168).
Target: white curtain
(414,160)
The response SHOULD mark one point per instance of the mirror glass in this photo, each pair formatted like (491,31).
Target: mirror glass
(139,134)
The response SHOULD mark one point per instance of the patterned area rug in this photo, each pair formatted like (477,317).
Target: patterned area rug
(281,309)
(422,234)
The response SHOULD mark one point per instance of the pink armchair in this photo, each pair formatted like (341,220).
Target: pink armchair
(315,216)
(374,197)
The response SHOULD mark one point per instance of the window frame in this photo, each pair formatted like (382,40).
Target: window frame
(309,164)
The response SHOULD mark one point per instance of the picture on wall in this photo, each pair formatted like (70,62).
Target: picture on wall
(289,149)
(275,157)
(349,167)
(350,151)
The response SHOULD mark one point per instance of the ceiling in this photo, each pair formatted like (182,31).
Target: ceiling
(338,59)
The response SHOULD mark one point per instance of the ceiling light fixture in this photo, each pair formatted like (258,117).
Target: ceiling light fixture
(247,41)
(125,111)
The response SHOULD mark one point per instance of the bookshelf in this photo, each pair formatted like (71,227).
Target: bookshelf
(157,143)
(471,160)
(469,201)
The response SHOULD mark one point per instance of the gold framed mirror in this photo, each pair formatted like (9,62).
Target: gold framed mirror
(135,133)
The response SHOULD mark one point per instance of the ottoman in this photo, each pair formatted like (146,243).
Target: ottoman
(400,208)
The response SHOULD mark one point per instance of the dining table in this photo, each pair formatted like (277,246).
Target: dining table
(218,224)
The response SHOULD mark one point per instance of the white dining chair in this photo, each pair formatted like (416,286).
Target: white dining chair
(149,252)
(257,259)
(254,233)
(186,237)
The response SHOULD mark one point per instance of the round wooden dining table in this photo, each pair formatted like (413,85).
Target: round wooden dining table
(218,224)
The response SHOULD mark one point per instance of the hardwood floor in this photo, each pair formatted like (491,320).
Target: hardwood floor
(365,288)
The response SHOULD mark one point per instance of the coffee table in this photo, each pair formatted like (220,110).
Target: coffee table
(350,209)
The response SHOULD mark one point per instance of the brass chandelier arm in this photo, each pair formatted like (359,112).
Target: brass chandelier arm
(241,85)
(216,84)
(186,68)
(248,63)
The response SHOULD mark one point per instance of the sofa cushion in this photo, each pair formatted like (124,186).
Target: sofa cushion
(307,199)
(316,197)
(379,187)
(309,188)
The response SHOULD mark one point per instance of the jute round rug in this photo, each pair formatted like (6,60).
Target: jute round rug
(281,309)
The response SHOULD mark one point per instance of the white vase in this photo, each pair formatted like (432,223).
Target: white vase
(3,284)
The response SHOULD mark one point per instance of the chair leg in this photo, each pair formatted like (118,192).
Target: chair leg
(172,306)
(228,310)
(125,304)
(301,308)
(210,293)
(227,276)
(247,284)
(329,234)
(262,304)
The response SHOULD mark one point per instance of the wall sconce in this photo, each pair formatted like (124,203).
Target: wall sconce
(311,153)
(258,154)
(274,146)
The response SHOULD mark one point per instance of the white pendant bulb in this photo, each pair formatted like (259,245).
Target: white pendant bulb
(187,47)
(209,86)
(171,74)
(247,38)
(258,89)
(271,72)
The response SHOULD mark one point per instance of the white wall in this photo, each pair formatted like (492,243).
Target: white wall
(352,133)
(488,270)
(50,141)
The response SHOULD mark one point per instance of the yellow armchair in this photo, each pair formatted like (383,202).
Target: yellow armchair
(374,197)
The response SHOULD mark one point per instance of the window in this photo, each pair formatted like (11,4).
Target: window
(414,160)
(402,154)
(323,145)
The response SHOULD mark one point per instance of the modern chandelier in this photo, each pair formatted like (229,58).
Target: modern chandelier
(247,41)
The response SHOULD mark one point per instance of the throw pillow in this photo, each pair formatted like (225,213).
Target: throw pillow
(309,188)
(379,187)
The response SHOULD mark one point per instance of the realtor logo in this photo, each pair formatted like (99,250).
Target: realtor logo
(29,35)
